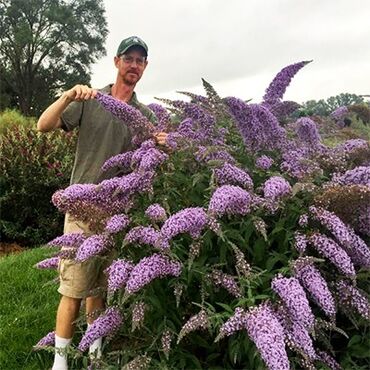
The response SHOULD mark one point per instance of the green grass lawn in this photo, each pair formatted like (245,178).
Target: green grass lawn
(28,303)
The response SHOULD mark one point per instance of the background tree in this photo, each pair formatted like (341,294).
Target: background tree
(47,46)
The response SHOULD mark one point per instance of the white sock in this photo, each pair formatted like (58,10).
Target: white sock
(60,359)
(95,348)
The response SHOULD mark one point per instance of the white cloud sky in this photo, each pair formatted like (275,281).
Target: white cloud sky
(239,46)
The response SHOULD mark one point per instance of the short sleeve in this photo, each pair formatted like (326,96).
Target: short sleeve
(71,116)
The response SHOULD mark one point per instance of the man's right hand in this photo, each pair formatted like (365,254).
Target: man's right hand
(80,93)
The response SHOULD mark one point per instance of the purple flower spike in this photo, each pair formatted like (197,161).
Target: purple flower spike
(328,360)
(142,235)
(122,160)
(279,84)
(156,213)
(196,322)
(72,240)
(49,263)
(118,273)
(276,187)
(268,335)
(235,323)
(264,162)
(308,133)
(230,200)
(294,297)
(188,220)
(339,113)
(104,325)
(334,253)
(311,279)
(358,176)
(47,340)
(229,174)
(227,282)
(92,246)
(117,223)
(150,268)
(300,242)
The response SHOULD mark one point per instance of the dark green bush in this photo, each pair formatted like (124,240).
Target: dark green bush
(33,167)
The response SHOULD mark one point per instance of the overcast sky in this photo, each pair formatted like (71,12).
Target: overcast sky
(239,46)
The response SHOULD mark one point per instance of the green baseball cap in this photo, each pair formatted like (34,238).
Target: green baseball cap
(129,42)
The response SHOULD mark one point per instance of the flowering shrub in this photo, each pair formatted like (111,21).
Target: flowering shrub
(228,248)
(33,166)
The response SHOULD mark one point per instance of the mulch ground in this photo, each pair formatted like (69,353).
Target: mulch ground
(10,248)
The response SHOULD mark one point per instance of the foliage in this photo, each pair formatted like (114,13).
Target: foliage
(247,270)
(33,166)
(27,308)
(48,46)
(10,118)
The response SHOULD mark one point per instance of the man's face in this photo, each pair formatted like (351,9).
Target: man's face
(131,65)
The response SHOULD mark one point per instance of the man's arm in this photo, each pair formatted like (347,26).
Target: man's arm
(50,118)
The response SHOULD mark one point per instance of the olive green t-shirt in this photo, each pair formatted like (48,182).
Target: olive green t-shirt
(100,136)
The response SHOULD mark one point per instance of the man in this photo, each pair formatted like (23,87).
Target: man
(101,136)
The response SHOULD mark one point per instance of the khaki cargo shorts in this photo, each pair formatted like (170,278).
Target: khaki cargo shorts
(83,279)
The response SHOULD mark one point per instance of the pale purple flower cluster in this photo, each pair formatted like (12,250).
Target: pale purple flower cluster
(303,220)
(189,220)
(93,246)
(230,200)
(328,360)
(122,160)
(196,322)
(279,84)
(235,323)
(206,154)
(267,333)
(138,315)
(311,279)
(258,127)
(242,266)
(142,235)
(260,226)
(166,341)
(308,133)
(358,176)
(73,240)
(295,300)
(47,340)
(117,223)
(264,162)
(104,325)
(164,118)
(276,187)
(118,273)
(351,297)
(334,253)
(345,235)
(172,139)
(339,113)
(150,268)
(156,213)
(229,174)
(353,145)
(283,109)
(151,159)
(227,282)
(300,242)
(49,263)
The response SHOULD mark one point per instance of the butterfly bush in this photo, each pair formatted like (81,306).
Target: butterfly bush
(138,315)
(276,187)
(150,268)
(122,160)
(328,360)
(142,235)
(359,175)
(166,341)
(264,162)
(235,323)
(156,213)
(226,281)
(118,273)
(267,333)
(47,340)
(49,263)
(339,113)
(196,322)
(117,223)
(308,133)
(229,174)
(300,242)
(93,246)
(104,325)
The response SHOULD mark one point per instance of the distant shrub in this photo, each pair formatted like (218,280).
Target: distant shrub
(10,118)
(33,167)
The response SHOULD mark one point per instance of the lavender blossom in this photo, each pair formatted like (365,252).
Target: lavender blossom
(47,340)
(138,315)
(345,235)
(264,162)
(268,335)
(303,220)
(230,200)
(300,242)
(352,145)
(339,113)
(117,223)
(122,160)
(311,279)
(294,298)
(227,282)
(104,325)
(283,109)
(156,213)
(188,220)
(93,246)
(328,360)
(358,176)
(229,174)
(242,266)
(166,341)
(206,154)
(260,226)
(308,133)
(140,362)
(164,118)
(350,297)
(334,253)
(73,240)
(196,322)
(142,235)
(236,322)
(118,273)
(150,268)
(279,84)
(49,263)
(276,187)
